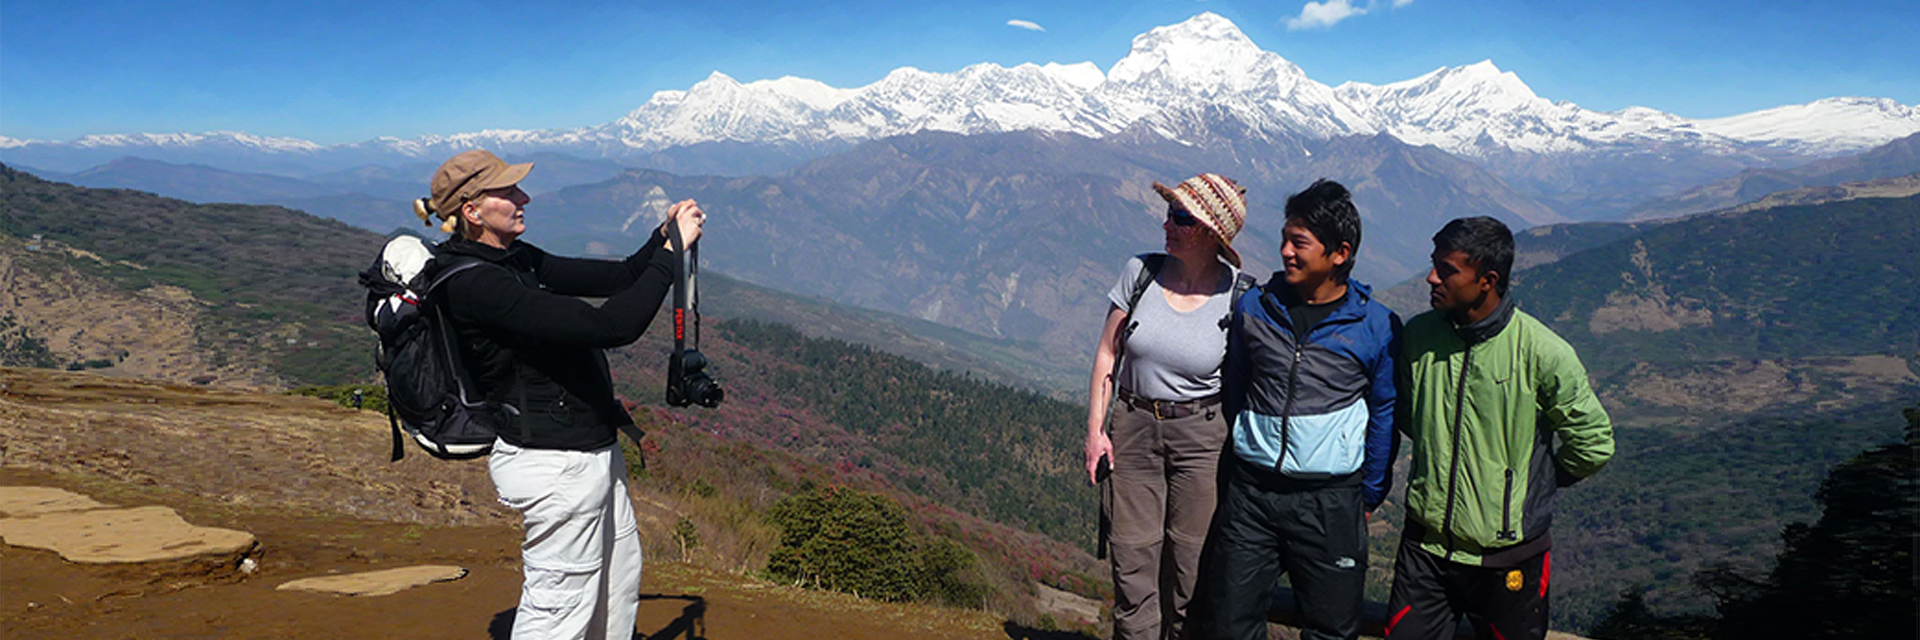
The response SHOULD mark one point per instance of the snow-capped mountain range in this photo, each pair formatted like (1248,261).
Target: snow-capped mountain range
(1172,74)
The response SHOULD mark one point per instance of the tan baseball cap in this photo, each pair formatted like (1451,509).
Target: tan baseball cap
(1219,203)
(463,177)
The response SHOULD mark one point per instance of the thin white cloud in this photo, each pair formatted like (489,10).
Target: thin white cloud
(1028,25)
(1320,15)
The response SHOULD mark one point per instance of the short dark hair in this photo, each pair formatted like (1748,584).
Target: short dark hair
(1326,209)
(1486,241)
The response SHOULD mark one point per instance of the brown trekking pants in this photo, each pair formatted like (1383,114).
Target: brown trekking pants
(1165,484)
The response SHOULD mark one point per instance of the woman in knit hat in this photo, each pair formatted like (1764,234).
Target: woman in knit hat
(1158,366)
(534,350)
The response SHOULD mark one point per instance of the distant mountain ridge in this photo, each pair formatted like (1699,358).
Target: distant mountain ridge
(1019,235)
(1475,110)
(1896,158)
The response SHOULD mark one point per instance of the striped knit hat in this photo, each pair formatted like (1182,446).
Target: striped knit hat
(1217,201)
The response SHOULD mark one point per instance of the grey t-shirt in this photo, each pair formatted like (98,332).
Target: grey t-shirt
(1172,355)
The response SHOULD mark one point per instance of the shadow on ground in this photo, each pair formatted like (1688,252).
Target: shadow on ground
(1017,632)
(691,625)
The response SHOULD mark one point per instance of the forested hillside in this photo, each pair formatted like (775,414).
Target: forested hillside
(1789,282)
(1671,504)
(1848,574)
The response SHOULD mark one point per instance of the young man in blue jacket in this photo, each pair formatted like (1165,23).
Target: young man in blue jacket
(1310,391)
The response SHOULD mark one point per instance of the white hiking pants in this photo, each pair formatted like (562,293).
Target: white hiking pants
(582,553)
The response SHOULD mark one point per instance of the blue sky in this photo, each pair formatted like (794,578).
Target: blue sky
(350,70)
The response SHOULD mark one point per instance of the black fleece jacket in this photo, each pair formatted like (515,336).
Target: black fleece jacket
(535,349)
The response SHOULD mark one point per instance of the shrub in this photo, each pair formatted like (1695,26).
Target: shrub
(687,536)
(373,397)
(857,542)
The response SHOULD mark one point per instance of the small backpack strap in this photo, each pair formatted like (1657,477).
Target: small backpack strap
(453,265)
(1150,268)
(1150,265)
(635,434)
(1241,283)
(399,448)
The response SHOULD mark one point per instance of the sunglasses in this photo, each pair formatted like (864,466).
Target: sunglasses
(1180,218)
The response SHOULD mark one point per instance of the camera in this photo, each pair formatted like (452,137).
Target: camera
(687,378)
(688,382)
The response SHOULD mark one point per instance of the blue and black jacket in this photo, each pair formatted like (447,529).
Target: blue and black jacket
(1319,410)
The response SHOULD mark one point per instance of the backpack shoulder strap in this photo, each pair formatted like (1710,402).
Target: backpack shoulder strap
(1150,268)
(1150,265)
(453,265)
(1241,283)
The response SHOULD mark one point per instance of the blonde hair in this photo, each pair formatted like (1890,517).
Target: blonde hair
(451,221)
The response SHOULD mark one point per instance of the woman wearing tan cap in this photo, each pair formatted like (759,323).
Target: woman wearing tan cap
(534,349)
(1165,430)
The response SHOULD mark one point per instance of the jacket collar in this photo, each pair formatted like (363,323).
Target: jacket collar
(462,246)
(1488,327)
(1359,295)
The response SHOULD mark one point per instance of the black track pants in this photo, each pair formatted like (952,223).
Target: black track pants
(1317,536)
(1430,594)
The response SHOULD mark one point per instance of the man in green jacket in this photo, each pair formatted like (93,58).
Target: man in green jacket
(1485,390)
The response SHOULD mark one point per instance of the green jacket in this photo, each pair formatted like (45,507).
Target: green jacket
(1480,491)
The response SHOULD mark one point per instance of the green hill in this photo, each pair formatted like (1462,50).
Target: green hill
(1788,282)
(277,284)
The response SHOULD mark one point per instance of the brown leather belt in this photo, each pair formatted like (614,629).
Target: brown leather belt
(1168,409)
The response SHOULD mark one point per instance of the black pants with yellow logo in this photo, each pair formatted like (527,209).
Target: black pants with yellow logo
(1431,594)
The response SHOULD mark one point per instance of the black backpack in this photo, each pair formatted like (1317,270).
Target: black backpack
(428,394)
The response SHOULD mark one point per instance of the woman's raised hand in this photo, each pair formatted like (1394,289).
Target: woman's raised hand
(689,217)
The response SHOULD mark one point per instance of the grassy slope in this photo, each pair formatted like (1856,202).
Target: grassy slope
(265,270)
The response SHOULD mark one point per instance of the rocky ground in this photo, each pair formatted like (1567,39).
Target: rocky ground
(310,481)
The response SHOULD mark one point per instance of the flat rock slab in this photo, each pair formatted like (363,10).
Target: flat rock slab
(139,534)
(21,502)
(377,583)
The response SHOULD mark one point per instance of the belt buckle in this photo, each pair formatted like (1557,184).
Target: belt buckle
(1156,410)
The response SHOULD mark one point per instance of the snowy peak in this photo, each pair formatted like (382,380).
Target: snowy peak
(220,138)
(1480,85)
(1085,75)
(1821,127)
(1203,55)
(813,93)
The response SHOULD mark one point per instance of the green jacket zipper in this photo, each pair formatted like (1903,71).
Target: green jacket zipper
(1453,473)
(1506,511)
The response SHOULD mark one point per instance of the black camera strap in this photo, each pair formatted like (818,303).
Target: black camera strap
(686,301)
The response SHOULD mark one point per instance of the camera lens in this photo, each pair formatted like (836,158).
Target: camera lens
(708,393)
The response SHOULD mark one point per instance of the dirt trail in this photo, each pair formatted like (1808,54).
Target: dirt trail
(311,482)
